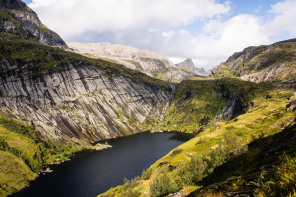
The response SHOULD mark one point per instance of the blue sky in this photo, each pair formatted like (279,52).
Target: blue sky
(208,31)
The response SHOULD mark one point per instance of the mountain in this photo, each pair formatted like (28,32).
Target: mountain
(68,96)
(54,103)
(188,65)
(243,133)
(275,62)
(18,20)
(145,61)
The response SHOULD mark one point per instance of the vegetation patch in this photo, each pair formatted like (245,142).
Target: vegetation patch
(229,156)
(23,154)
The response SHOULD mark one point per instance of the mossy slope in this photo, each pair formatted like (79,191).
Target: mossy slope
(23,154)
(198,103)
(192,166)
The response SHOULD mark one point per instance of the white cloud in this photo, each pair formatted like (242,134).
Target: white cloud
(71,18)
(160,26)
(224,39)
(220,39)
(284,19)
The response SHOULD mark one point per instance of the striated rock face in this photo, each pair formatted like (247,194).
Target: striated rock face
(78,102)
(276,62)
(18,20)
(188,65)
(150,63)
(232,109)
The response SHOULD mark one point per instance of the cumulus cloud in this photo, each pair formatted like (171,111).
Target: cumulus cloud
(71,18)
(224,38)
(220,39)
(161,26)
(284,19)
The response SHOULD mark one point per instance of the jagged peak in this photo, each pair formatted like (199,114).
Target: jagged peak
(188,63)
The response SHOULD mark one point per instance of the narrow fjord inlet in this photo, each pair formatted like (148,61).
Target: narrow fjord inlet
(93,172)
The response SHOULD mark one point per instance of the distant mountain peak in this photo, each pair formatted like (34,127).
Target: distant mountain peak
(150,63)
(188,65)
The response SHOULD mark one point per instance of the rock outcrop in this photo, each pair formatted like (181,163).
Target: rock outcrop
(232,109)
(77,98)
(145,61)
(189,66)
(19,21)
(276,62)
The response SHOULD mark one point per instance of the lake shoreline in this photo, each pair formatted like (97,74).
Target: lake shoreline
(102,145)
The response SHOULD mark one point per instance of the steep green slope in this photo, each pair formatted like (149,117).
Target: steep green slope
(200,102)
(266,169)
(23,154)
(187,167)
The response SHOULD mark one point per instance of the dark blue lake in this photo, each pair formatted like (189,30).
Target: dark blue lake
(93,172)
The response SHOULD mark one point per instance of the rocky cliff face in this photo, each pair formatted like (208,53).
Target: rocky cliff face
(150,63)
(18,20)
(276,62)
(188,65)
(76,98)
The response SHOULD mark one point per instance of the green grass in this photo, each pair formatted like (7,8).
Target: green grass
(14,173)
(197,102)
(43,28)
(23,154)
(222,143)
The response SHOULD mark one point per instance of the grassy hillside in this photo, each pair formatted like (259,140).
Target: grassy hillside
(198,102)
(23,154)
(231,147)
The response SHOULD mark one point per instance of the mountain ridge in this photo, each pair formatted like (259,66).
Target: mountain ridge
(275,62)
(150,63)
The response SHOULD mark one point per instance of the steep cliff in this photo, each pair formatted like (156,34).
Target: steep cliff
(19,21)
(145,61)
(276,62)
(54,103)
(69,97)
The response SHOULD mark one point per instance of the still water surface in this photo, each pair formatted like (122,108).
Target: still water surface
(93,172)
